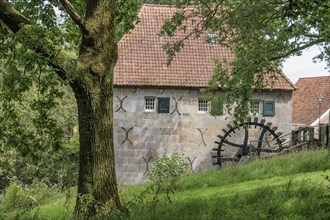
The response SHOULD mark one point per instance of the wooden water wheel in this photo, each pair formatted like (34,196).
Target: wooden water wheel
(252,138)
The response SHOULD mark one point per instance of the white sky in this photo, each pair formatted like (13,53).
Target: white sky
(302,66)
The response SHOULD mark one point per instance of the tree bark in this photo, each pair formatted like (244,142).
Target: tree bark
(94,94)
(97,178)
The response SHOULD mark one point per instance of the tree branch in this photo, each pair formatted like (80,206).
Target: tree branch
(316,35)
(300,48)
(74,15)
(15,21)
(11,17)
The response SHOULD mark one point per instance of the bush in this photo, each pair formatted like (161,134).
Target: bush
(15,199)
(18,201)
(165,174)
(163,178)
(54,167)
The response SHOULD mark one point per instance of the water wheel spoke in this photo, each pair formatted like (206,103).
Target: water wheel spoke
(246,137)
(233,144)
(261,137)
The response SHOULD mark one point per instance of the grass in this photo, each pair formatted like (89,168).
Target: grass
(275,198)
(292,186)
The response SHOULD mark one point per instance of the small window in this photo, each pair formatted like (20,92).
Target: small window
(269,108)
(203,105)
(211,38)
(163,105)
(150,104)
(255,107)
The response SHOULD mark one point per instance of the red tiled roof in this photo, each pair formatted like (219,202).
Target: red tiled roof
(305,104)
(142,61)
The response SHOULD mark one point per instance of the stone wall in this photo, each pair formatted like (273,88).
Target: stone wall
(141,137)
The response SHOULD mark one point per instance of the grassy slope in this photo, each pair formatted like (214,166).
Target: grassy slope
(286,187)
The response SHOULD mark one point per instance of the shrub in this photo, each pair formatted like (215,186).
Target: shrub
(165,174)
(15,202)
(54,167)
(18,201)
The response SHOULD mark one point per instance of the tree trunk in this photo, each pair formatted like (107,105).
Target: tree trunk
(97,178)
(97,186)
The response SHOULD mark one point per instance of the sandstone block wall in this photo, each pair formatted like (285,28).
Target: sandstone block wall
(141,137)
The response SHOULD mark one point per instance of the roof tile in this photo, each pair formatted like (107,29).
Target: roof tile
(305,104)
(142,60)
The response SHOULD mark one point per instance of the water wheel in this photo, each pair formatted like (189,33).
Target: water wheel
(241,141)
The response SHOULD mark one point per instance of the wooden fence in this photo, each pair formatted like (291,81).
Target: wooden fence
(311,136)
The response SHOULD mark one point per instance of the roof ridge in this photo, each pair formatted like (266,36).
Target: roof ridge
(308,77)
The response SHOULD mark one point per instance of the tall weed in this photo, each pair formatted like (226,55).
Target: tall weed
(18,201)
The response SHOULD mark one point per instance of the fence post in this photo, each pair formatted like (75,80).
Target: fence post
(328,133)
(294,137)
(300,134)
(322,135)
(311,136)
(304,134)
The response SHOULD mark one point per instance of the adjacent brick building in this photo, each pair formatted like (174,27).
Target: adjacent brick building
(311,100)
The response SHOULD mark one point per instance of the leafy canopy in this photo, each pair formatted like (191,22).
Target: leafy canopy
(261,35)
(36,105)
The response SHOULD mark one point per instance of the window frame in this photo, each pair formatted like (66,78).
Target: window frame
(205,105)
(153,105)
(252,108)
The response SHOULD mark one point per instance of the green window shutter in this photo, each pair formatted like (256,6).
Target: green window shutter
(269,108)
(163,105)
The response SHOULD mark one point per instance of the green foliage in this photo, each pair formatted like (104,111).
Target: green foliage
(164,176)
(45,44)
(107,210)
(32,135)
(299,201)
(35,108)
(283,187)
(18,201)
(261,34)
(168,167)
(126,16)
(163,179)
(260,170)
(35,111)
(15,199)
(287,187)
(54,167)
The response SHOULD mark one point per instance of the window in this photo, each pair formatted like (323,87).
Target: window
(266,107)
(211,38)
(203,105)
(163,105)
(255,107)
(269,108)
(150,104)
